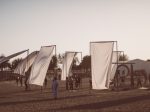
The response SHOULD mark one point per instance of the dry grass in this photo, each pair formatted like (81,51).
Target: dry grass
(15,99)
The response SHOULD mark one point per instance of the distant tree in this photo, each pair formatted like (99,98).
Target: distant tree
(148,60)
(15,63)
(2,56)
(86,62)
(75,63)
(123,58)
(5,64)
(53,63)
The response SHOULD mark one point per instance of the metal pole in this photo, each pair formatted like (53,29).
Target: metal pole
(81,56)
(26,75)
(55,50)
(90,69)
(117,65)
(66,64)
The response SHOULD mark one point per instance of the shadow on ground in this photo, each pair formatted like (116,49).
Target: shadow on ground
(40,100)
(105,104)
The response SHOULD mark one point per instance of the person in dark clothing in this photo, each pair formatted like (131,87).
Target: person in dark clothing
(139,83)
(17,80)
(76,82)
(70,83)
(25,83)
(55,87)
(67,83)
(27,74)
(90,82)
(45,82)
(21,81)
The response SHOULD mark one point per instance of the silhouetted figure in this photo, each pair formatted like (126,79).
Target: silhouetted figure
(25,83)
(122,83)
(45,82)
(90,82)
(70,83)
(67,83)
(17,80)
(55,87)
(132,78)
(21,81)
(76,81)
(59,76)
(139,83)
(80,81)
(27,74)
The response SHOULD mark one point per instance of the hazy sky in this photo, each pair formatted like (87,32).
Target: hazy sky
(72,24)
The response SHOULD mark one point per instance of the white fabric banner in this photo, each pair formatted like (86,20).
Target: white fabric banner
(116,55)
(40,65)
(101,59)
(26,63)
(67,62)
(11,56)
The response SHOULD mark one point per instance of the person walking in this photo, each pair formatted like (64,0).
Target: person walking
(55,88)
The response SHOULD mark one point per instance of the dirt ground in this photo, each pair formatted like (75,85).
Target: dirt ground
(14,98)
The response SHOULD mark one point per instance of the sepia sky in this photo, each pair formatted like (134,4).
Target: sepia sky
(72,24)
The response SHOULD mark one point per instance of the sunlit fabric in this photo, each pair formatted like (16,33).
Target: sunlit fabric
(101,59)
(40,65)
(11,56)
(26,63)
(67,63)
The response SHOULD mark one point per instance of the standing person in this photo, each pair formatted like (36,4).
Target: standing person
(80,81)
(21,81)
(139,83)
(17,80)
(26,83)
(71,83)
(76,81)
(55,87)
(45,82)
(67,83)
(90,82)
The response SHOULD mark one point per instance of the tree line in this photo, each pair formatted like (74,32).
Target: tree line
(84,64)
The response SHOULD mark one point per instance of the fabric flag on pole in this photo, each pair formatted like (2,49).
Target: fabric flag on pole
(11,56)
(101,58)
(26,63)
(40,65)
(116,55)
(67,62)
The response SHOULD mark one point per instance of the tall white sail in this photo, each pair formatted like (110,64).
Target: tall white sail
(40,65)
(26,63)
(11,56)
(67,62)
(101,59)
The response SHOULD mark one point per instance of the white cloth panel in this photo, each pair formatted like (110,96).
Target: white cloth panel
(114,64)
(67,62)
(26,63)
(40,66)
(11,56)
(101,58)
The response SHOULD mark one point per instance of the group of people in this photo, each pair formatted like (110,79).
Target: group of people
(73,82)
(20,80)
